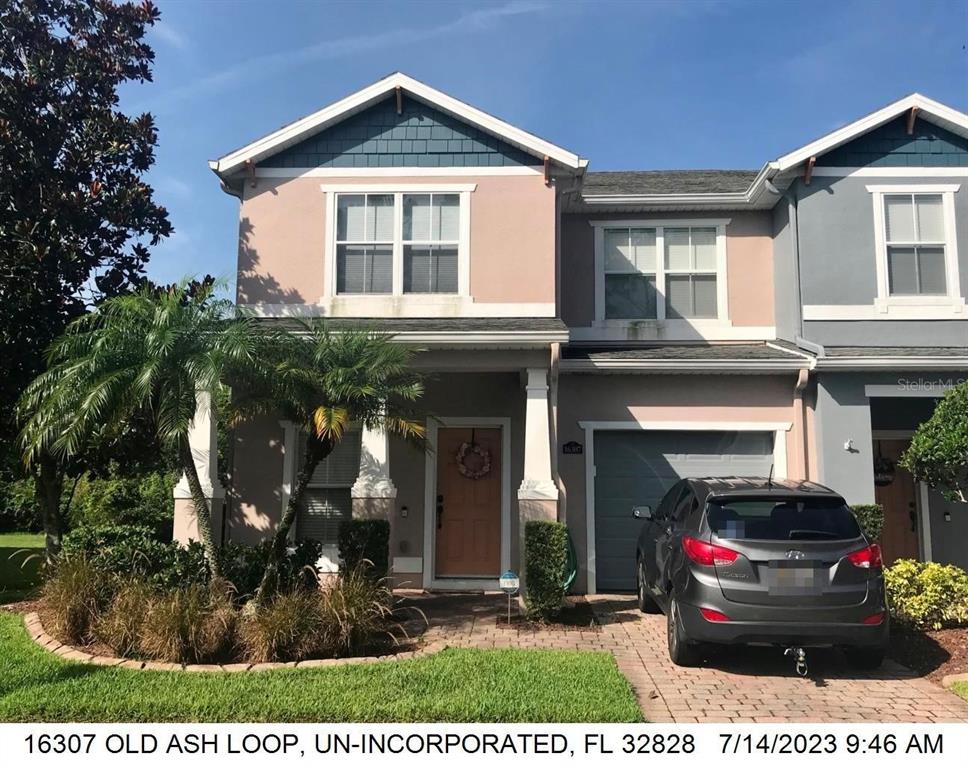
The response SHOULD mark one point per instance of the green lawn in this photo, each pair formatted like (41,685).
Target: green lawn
(451,686)
(961,689)
(18,540)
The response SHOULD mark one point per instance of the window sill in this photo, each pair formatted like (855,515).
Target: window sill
(918,308)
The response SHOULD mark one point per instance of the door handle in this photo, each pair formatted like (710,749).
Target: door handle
(440,511)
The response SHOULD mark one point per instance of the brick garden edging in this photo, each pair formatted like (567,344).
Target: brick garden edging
(39,635)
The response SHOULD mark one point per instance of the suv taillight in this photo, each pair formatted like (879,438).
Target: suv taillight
(704,553)
(868,557)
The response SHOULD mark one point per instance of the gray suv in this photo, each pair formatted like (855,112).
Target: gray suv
(752,560)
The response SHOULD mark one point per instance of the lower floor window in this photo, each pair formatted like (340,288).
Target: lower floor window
(328,499)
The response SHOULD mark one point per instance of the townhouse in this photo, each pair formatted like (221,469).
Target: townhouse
(593,336)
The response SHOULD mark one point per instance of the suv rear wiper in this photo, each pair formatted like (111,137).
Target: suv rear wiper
(805,533)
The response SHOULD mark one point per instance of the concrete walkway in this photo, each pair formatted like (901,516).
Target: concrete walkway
(735,685)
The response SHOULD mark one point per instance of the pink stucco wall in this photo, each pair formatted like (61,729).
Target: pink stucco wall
(512,238)
(749,264)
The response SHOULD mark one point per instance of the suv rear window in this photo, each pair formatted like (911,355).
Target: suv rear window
(782,519)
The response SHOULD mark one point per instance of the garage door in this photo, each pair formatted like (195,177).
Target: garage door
(637,468)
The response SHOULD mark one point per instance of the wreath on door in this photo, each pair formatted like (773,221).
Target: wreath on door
(473,460)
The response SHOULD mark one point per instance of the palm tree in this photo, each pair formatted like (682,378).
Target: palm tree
(324,380)
(152,351)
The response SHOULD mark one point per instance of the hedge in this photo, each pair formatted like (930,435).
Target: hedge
(871,519)
(546,562)
(360,540)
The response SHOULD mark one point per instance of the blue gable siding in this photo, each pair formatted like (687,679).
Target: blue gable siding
(419,137)
(890,146)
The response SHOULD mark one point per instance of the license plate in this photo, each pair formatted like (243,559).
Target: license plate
(794,578)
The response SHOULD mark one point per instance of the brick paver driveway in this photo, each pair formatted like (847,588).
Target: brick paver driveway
(734,685)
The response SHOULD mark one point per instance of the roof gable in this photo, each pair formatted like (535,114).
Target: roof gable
(417,136)
(936,113)
(890,145)
(392,86)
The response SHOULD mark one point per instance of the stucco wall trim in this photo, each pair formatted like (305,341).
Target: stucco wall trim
(779,428)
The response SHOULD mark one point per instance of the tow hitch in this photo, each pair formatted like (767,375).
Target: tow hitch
(799,659)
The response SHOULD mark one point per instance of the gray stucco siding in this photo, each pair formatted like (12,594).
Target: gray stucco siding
(887,333)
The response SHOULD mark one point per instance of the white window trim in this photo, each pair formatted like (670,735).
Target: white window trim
(398,190)
(722,291)
(951,304)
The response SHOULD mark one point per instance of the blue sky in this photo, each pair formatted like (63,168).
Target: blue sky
(688,84)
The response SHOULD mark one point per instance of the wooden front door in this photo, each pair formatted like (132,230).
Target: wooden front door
(468,511)
(899,500)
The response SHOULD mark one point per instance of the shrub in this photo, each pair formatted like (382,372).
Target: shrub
(365,541)
(119,627)
(287,629)
(357,609)
(18,506)
(190,625)
(927,595)
(73,597)
(134,551)
(871,519)
(243,566)
(546,561)
(139,500)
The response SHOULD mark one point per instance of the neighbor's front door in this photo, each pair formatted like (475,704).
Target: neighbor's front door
(899,501)
(468,510)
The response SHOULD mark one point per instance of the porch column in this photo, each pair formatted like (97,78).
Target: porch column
(373,492)
(203,440)
(538,493)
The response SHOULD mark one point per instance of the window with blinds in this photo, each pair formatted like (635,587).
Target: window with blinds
(431,231)
(661,272)
(915,239)
(364,243)
(328,500)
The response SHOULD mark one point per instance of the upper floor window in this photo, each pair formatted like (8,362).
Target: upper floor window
(917,258)
(670,270)
(399,239)
(915,240)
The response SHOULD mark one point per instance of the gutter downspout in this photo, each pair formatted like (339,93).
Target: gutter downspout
(800,422)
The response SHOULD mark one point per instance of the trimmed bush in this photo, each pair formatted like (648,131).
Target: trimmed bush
(871,519)
(73,598)
(357,609)
(365,542)
(243,566)
(546,562)
(138,500)
(189,626)
(119,627)
(927,595)
(290,628)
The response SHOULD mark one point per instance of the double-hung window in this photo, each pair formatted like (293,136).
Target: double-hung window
(915,240)
(364,243)
(916,250)
(661,271)
(399,239)
(431,235)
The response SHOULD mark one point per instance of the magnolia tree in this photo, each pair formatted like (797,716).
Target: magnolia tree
(938,454)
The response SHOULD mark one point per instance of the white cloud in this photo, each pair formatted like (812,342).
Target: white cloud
(273,63)
(168,34)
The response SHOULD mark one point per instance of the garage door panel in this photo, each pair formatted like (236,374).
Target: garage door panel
(637,468)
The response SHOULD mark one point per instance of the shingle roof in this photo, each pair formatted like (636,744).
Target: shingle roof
(896,351)
(684,352)
(666,182)
(454,324)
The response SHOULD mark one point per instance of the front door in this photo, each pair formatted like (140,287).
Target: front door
(468,503)
(899,501)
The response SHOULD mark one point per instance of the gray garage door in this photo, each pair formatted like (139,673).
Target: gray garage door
(637,468)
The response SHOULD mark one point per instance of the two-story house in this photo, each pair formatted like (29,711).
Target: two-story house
(594,336)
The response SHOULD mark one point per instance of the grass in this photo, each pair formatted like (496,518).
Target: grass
(961,689)
(18,540)
(452,686)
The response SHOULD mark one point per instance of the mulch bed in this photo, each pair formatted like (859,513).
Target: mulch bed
(933,654)
(577,615)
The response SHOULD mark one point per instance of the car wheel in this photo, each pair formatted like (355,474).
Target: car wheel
(647,603)
(681,651)
(864,658)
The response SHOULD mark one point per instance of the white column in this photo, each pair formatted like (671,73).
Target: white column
(374,481)
(538,482)
(203,440)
